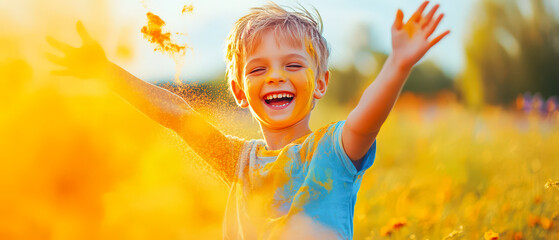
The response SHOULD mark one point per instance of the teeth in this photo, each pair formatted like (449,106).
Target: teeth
(280,95)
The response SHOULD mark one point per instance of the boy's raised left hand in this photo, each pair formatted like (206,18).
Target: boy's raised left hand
(412,40)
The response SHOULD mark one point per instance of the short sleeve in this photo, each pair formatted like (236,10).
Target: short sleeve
(368,159)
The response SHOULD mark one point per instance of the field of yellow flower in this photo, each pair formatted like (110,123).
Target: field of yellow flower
(80,163)
(446,173)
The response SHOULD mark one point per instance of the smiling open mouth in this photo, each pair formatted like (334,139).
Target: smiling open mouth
(279,100)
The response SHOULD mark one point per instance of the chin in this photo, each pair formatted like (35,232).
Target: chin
(275,118)
(277,123)
(282,121)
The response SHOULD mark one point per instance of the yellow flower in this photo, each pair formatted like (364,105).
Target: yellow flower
(546,223)
(393,225)
(397,223)
(533,220)
(385,231)
(490,235)
(517,236)
(552,184)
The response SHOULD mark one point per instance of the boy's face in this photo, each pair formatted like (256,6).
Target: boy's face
(279,82)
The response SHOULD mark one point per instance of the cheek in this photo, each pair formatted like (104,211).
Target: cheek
(253,87)
(305,87)
(312,81)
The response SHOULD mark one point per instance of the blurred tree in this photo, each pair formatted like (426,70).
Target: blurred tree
(514,48)
(428,79)
(361,64)
(344,86)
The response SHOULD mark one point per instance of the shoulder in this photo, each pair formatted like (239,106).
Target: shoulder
(322,140)
(250,146)
(327,143)
(329,131)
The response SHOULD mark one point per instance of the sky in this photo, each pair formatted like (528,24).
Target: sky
(204,30)
(208,25)
(117,23)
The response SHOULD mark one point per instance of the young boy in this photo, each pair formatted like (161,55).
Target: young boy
(296,183)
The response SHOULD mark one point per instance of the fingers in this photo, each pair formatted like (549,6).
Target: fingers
(59,45)
(82,32)
(417,15)
(56,59)
(429,16)
(434,25)
(398,21)
(438,38)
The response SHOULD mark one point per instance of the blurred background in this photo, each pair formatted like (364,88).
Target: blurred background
(470,149)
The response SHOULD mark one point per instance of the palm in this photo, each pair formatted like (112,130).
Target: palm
(87,61)
(410,41)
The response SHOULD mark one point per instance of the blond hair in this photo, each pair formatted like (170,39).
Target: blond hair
(300,28)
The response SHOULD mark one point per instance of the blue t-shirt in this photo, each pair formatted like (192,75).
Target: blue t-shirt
(307,188)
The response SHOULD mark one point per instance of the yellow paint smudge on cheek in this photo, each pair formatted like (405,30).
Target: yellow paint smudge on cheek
(304,97)
(311,82)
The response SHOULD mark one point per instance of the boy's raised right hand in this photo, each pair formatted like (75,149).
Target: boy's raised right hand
(86,61)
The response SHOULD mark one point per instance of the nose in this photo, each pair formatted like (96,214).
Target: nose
(276,76)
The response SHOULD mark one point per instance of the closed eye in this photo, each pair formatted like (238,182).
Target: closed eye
(294,66)
(256,70)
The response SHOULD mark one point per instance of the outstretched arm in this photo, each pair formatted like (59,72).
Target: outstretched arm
(161,105)
(410,42)
(89,61)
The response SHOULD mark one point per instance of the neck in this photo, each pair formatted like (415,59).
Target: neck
(279,138)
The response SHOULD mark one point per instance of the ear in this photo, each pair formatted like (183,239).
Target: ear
(321,85)
(239,94)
